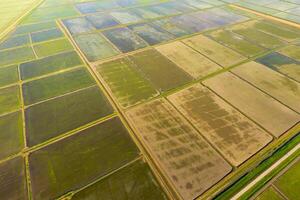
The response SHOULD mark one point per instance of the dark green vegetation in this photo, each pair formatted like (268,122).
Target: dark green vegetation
(51,86)
(289,182)
(49,64)
(11,136)
(10,99)
(52,118)
(52,47)
(127,85)
(80,159)
(12,180)
(17,55)
(9,75)
(265,164)
(133,182)
(160,71)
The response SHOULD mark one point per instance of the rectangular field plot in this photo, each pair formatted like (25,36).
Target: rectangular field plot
(161,72)
(126,84)
(85,156)
(167,25)
(283,32)
(95,47)
(191,23)
(49,64)
(126,17)
(22,29)
(292,51)
(78,25)
(124,39)
(178,149)
(101,21)
(277,85)
(269,113)
(282,64)
(52,47)
(236,42)
(57,116)
(142,185)
(146,13)
(269,193)
(9,75)
(17,55)
(234,135)
(151,34)
(42,36)
(11,137)
(15,41)
(51,86)
(257,37)
(50,13)
(10,99)
(13,179)
(98,6)
(288,183)
(188,59)
(215,51)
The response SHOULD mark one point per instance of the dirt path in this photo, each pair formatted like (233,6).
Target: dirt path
(265,173)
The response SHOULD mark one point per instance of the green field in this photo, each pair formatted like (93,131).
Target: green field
(140,184)
(57,116)
(17,55)
(80,159)
(9,75)
(10,99)
(268,194)
(52,47)
(13,180)
(11,139)
(56,85)
(49,64)
(125,82)
(160,71)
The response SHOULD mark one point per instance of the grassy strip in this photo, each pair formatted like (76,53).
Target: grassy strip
(244,180)
(271,175)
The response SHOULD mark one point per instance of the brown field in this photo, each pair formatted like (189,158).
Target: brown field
(260,107)
(213,50)
(235,136)
(184,156)
(277,85)
(188,59)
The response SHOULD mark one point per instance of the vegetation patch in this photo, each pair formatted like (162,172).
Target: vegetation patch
(142,185)
(49,64)
(52,47)
(10,99)
(52,118)
(17,55)
(125,82)
(159,70)
(13,179)
(11,137)
(85,156)
(215,51)
(9,75)
(52,86)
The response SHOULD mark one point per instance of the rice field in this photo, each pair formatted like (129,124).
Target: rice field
(144,99)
